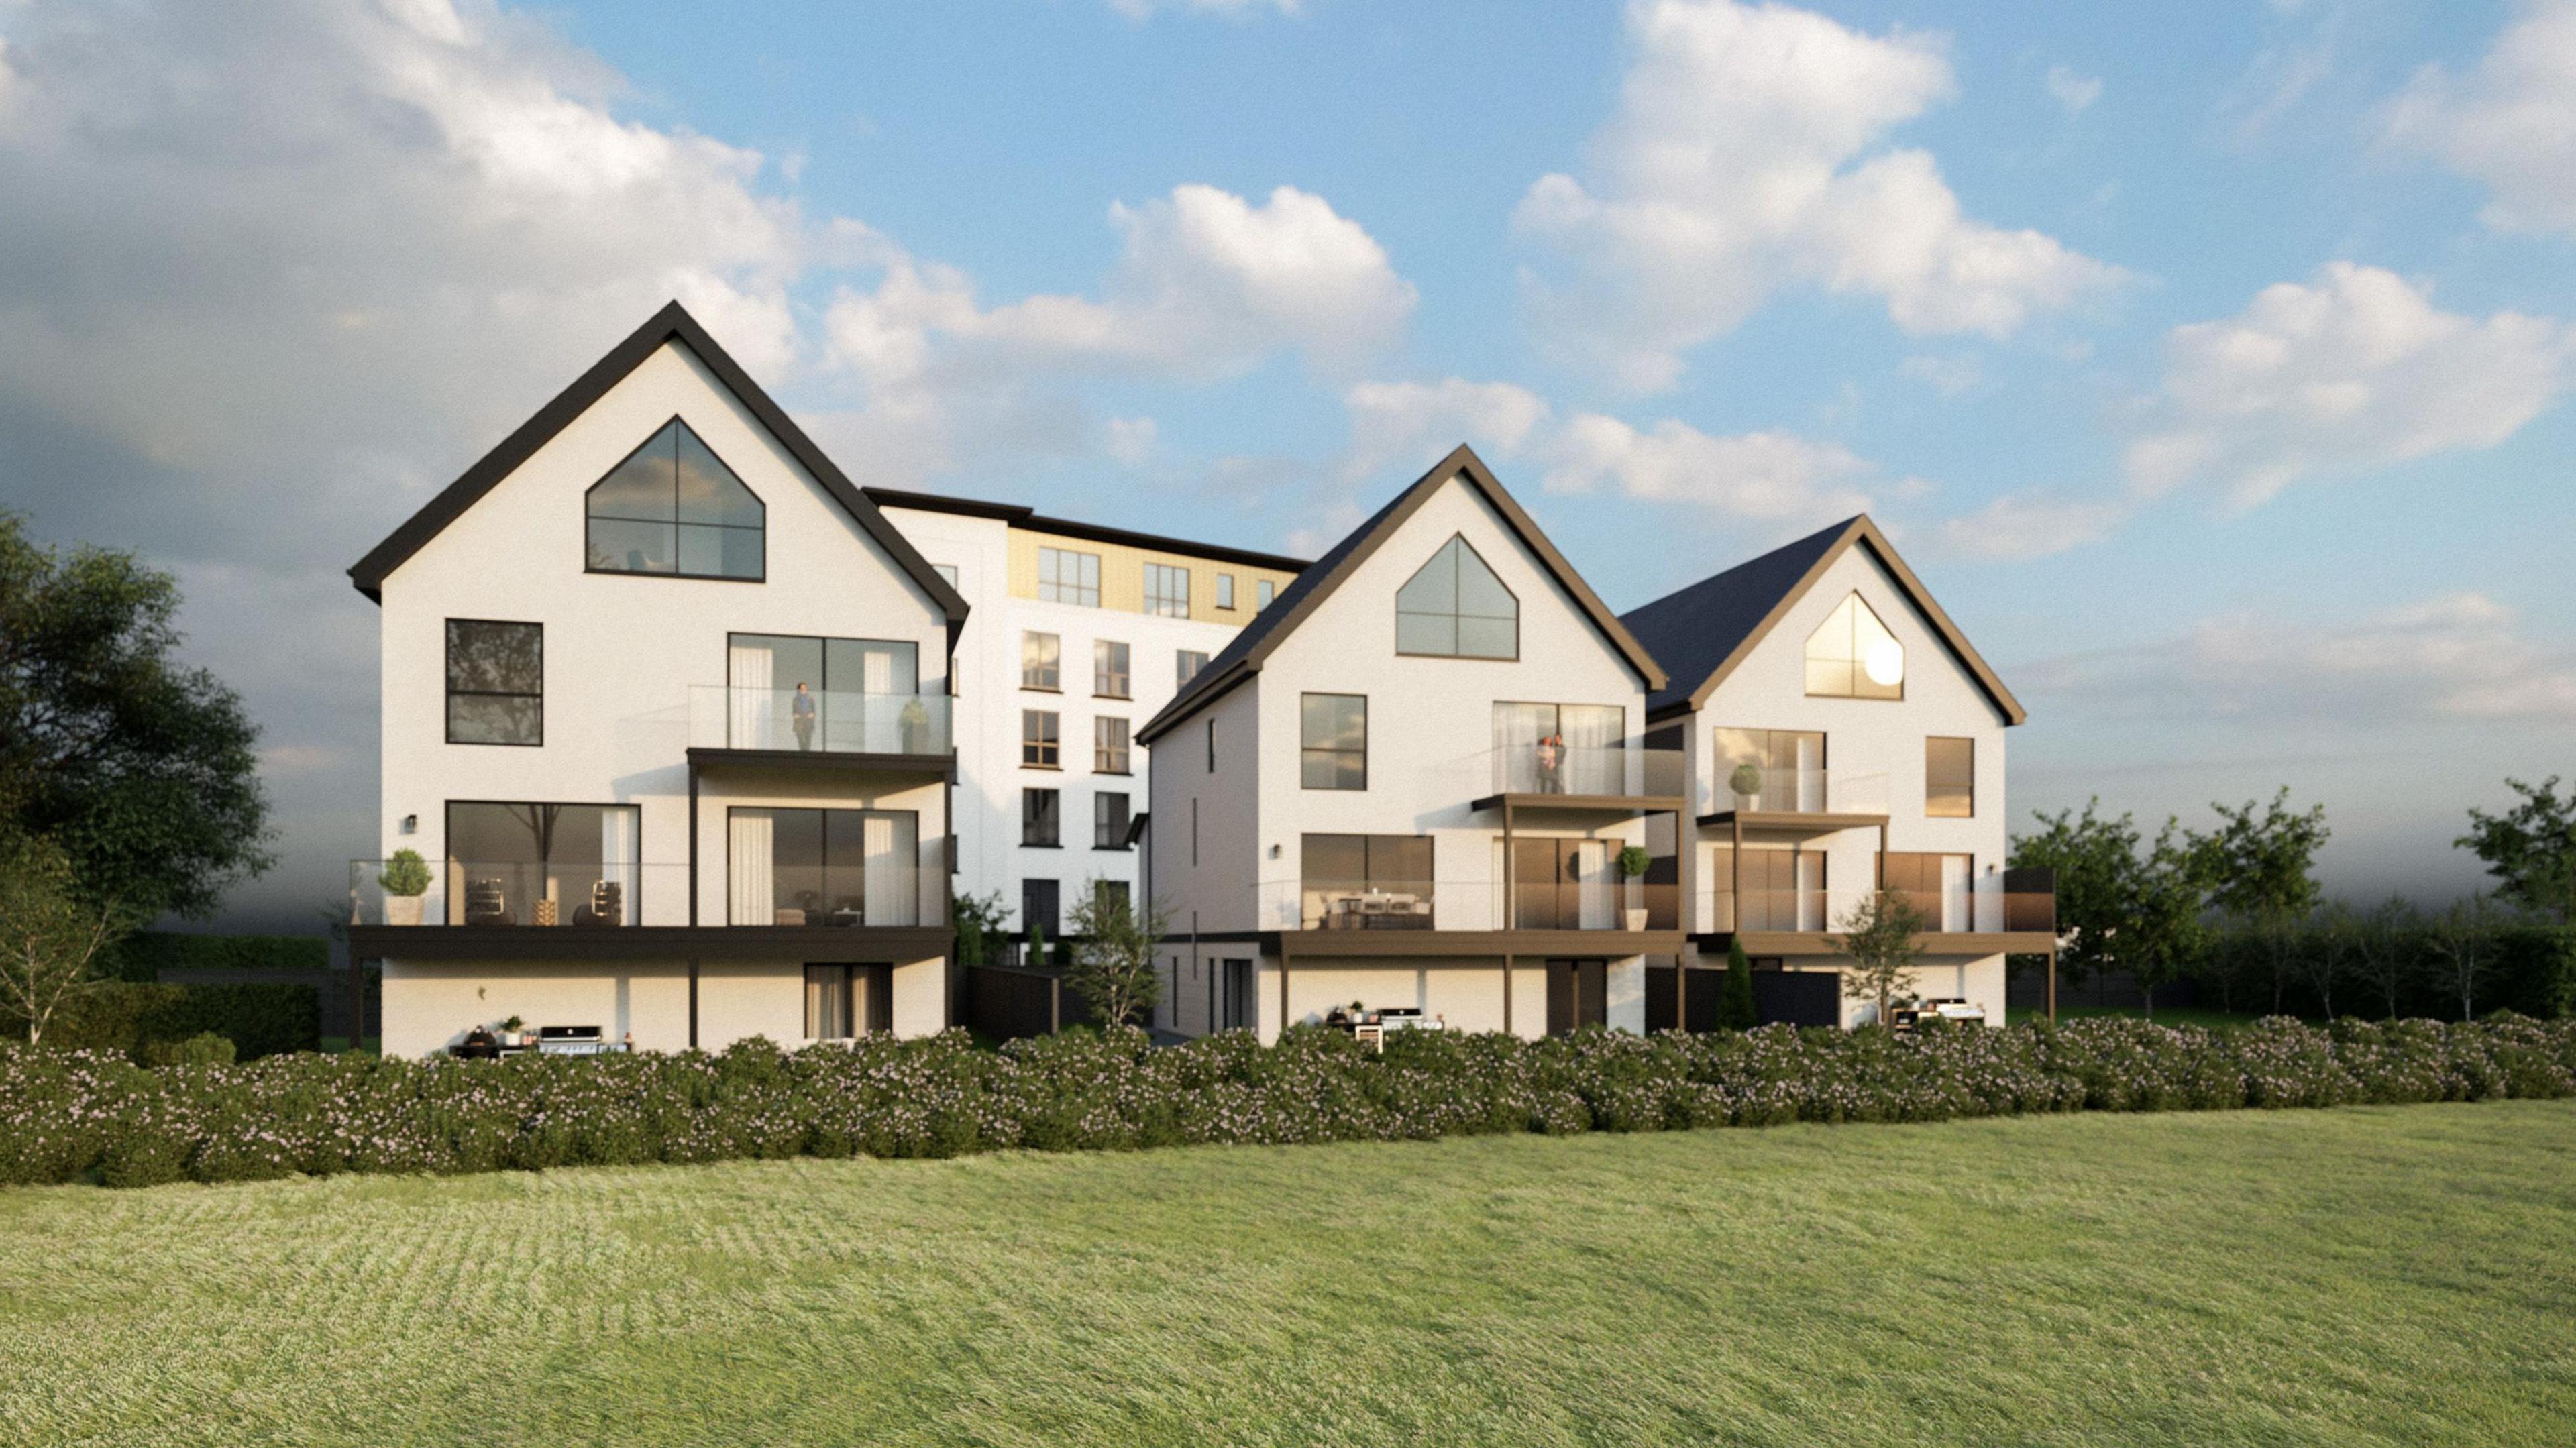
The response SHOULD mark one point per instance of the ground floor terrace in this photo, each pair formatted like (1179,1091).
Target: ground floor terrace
(697,988)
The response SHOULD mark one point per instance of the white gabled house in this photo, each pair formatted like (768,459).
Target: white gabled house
(665,710)
(1408,784)
(1843,737)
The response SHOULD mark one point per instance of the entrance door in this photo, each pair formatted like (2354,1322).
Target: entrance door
(1578,994)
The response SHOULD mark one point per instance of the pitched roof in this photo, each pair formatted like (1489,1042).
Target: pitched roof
(1243,657)
(1703,631)
(1020,515)
(671,324)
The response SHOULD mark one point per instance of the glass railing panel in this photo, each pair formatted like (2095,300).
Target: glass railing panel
(583,894)
(721,717)
(891,892)
(1802,791)
(1624,770)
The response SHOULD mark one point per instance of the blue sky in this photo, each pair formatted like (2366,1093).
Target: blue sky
(2207,360)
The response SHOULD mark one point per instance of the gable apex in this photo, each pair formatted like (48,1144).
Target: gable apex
(1244,656)
(671,324)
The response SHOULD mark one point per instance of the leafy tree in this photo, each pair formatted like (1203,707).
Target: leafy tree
(52,938)
(2117,908)
(980,921)
(1735,1008)
(1879,935)
(2531,848)
(1113,965)
(2260,870)
(2459,943)
(140,771)
(2333,940)
(2095,861)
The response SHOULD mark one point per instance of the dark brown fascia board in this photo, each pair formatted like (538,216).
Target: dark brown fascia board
(1019,515)
(671,323)
(1859,531)
(1462,460)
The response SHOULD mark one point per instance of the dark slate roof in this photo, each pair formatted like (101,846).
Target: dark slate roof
(1700,633)
(1242,658)
(1693,631)
(671,324)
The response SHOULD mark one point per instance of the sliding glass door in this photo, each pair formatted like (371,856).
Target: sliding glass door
(823,867)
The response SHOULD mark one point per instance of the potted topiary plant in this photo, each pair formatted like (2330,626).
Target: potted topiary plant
(511,1028)
(1746,781)
(405,879)
(1632,866)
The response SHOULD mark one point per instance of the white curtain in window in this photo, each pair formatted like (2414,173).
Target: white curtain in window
(754,713)
(749,856)
(1517,730)
(888,855)
(1954,892)
(1595,764)
(617,862)
(1598,896)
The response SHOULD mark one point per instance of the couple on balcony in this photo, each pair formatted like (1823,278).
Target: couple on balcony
(1551,763)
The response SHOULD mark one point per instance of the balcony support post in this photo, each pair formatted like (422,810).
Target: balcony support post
(1507,994)
(2052,985)
(1283,987)
(693,884)
(1511,882)
(1735,876)
(693,1002)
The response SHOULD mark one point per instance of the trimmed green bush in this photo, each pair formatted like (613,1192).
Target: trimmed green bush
(143,955)
(94,1115)
(260,1018)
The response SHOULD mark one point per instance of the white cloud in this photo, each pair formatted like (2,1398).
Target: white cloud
(2510,123)
(2359,370)
(1951,376)
(1207,286)
(1130,440)
(1772,476)
(2456,656)
(1411,425)
(1742,161)
(2028,525)
(2076,93)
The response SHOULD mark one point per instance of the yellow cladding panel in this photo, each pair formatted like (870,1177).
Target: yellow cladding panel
(1122,576)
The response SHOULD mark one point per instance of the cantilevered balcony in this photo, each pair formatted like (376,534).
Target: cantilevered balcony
(1617,778)
(2014,911)
(910,732)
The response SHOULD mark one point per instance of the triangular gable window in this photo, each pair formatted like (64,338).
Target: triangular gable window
(1455,607)
(1853,656)
(674,508)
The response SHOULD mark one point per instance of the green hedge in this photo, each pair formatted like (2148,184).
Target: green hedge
(129,1017)
(145,954)
(67,1116)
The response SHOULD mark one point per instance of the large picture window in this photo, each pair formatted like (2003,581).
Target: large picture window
(827,867)
(1333,741)
(1851,655)
(674,508)
(789,691)
(496,682)
(512,863)
(1455,607)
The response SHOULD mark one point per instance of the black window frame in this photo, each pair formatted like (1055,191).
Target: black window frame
(1455,617)
(763,530)
(1041,817)
(447,665)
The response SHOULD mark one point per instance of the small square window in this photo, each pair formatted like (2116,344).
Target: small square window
(1040,817)
(1225,590)
(1108,745)
(1263,590)
(1041,663)
(1186,664)
(496,682)
(1109,820)
(1109,674)
(1066,575)
(1167,590)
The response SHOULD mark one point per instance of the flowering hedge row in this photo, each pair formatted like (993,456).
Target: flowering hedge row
(68,1116)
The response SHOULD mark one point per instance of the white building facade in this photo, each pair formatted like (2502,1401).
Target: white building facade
(1843,738)
(1409,785)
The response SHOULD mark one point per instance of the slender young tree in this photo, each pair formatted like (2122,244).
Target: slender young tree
(1879,935)
(2095,860)
(2459,943)
(1113,963)
(2385,950)
(1735,1008)
(51,937)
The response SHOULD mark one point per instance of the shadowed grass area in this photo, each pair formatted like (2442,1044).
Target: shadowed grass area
(2368,1276)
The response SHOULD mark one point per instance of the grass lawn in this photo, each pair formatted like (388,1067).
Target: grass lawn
(2393,1275)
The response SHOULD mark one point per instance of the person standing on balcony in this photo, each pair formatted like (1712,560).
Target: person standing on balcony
(803,710)
(1551,763)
